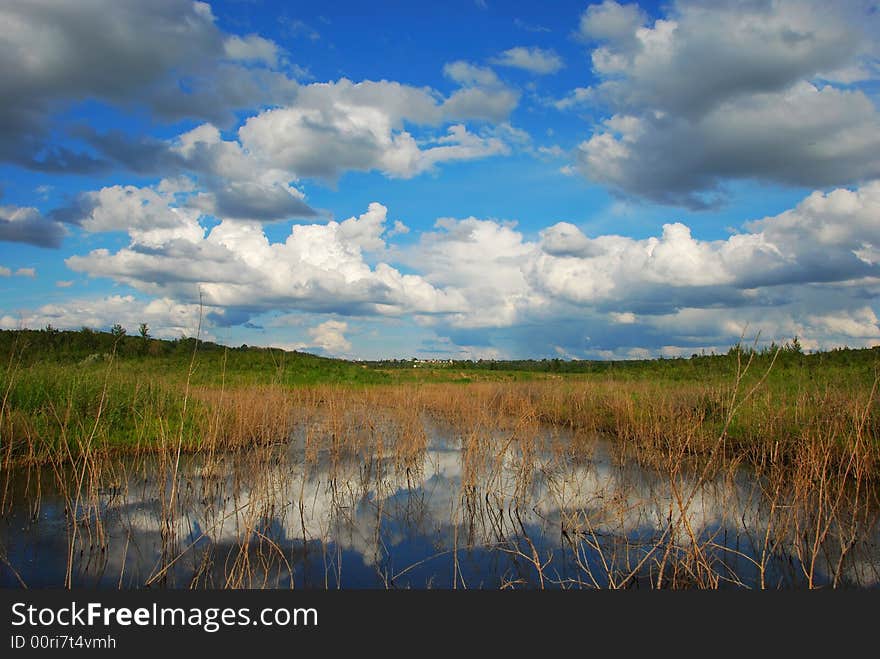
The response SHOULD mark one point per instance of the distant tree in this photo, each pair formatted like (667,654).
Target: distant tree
(118,331)
(86,339)
(144,332)
(49,329)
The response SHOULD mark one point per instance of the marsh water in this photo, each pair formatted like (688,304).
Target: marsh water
(556,511)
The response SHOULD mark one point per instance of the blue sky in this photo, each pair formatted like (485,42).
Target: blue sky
(461,179)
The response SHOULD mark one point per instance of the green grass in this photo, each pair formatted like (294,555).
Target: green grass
(83,389)
(78,389)
(86,353)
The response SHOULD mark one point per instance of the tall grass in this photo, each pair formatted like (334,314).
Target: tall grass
(50,410)
(810,444)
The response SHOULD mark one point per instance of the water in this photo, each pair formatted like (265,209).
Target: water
(544,509)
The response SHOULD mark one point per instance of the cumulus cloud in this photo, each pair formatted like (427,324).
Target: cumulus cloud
(613,293)
(235,266)
(578,96)
(470,75)
(342,126)
(474,279)
(493,105)
(676,292)
(166,318)
(709,92)
(729,90)
(149,216)
(613,22)
(535,60)
(172,59)
(841,219)
(28,225)
(237,184)
(812,270)
(136,54)
(481,261)
(326,143)
(331,128)
(817,325)
(704,54)
(328,337)
(483,95)
(231,182)
(806,136)
(251,48)
(826,238)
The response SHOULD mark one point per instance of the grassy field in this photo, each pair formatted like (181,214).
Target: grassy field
(69,392)
(85,409)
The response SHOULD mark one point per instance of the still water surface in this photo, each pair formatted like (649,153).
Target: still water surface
(567,512)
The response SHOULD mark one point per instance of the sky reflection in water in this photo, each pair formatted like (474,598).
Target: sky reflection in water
(446,518)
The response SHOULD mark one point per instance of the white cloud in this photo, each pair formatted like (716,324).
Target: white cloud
(150,218)
(534,60)
(399,228)
(481,262)
(615,267)
(18,272)
(329,337)
(842,219)
(467,74)
(618,289)
(730,91)
(318,267)
(702,55)
(625,318)
(299,28)
(137,53)
(472,275)
(345,126)
(326,130)
(471,278)
(611,21)
(860,323)
(251,48)
(492,105)
(806,136)
(823,239)
(554,151)
(482,96)
(576,97)
(817,328)
(173,59)
(237,184)
(166,318)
